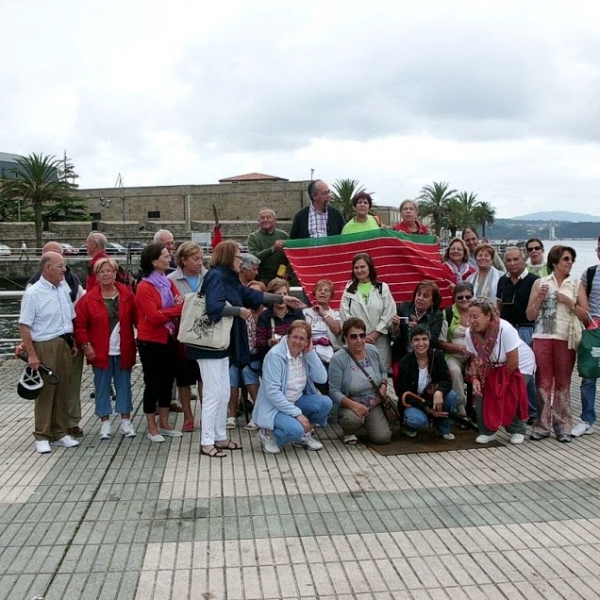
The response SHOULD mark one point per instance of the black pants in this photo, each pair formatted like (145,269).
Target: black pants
(159,362)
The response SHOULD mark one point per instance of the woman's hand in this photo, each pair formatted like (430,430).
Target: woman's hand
(179,299)
(89,352)
(304,422)
(476,387)
(309,346)
(438,401)
(372,337)
(566,299)
(359,410)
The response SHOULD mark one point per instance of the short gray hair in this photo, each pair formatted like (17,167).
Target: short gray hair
(520,250)
(160,234)
(99,239)
(249,261)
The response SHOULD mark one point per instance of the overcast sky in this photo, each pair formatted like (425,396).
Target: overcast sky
(497,98)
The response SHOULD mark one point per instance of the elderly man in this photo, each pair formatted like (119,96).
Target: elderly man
(165,237)
(319,219)
(590,280)
(95,244)
(46,327)
(75,293)
(266,243)
(512,297)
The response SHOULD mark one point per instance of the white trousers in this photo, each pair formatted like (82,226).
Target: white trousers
(215,397)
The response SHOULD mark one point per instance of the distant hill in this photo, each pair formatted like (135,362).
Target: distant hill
(559,215)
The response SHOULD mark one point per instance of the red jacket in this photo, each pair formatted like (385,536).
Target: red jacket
(91,325)
(151,315)
(422,229)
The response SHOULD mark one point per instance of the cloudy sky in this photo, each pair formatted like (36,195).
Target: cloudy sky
(496,98)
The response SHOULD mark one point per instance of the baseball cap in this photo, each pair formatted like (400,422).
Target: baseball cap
(30,384)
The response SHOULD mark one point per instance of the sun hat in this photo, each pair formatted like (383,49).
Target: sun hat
(30,383)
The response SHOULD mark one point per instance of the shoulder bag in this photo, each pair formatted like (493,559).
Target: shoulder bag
(588,353)
(196,328)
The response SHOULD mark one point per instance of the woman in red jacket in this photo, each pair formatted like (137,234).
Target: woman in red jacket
(103,328)
(159,304)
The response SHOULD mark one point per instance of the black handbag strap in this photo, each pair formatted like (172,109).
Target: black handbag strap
(375,387)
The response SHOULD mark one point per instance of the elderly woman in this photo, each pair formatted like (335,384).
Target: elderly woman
(274,321)
(159,305)
(249,268)
(455,262)
(535,257)
(288,405)
(485,279)
(104,330)
(349,385)
(501,360)
(558,304)
(409,211)
(187,277)
(453,341)
(423,309)
(226,296)
(362,220)
(370,300)
(424,372)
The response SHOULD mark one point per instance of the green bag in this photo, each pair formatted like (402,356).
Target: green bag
(588,354)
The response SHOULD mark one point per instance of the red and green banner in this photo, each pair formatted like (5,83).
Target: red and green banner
(402,261)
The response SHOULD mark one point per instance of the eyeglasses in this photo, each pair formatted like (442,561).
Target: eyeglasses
(567,259)
(463,297)
(480,301)
(534,248)
(356,336)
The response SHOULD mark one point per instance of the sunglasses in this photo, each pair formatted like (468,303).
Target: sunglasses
(463,297)
(534,248)
(356,336)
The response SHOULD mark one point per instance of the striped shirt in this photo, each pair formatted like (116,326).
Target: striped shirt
(317,223)
(297,377)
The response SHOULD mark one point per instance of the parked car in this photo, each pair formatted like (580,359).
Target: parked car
(111,248)
(68,249)
(4,250)
(136,247)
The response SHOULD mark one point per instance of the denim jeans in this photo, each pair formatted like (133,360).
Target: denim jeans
(588,400)
(314,407)
(416,419)
(526,333)
(122,381)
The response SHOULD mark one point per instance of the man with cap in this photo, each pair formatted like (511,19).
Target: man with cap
(46,327)
(76,291)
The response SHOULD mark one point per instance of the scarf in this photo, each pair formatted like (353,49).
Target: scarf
(163,286)
(458,271)
(484,346)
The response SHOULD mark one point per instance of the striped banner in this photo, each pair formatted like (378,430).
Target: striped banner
(402,261)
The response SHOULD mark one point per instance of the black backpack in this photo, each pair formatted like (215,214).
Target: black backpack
(589,278)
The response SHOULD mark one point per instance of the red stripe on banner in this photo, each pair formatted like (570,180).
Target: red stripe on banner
(400,262)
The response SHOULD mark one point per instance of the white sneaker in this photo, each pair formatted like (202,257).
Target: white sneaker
(127,429)
(308,441)
(410,433)
(66,442)
(105,432)
(517,438)
(252,426)
(42,446)
(485,439)
(269,445)
(231,423)
(448,436)
(583,428)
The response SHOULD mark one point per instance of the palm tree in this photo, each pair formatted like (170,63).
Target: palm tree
(41,181)
(434,203)
(462,211)
(344,191)
(485,213)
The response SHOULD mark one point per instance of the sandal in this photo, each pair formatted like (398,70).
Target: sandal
(350,440)
(214,452)
(230,445)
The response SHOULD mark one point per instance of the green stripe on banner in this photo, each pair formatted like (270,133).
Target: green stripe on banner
(358,237)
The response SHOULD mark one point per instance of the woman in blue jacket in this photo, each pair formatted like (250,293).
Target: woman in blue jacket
(288,404)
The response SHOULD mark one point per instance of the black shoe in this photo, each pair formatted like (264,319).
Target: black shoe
(536,436)
(563,438)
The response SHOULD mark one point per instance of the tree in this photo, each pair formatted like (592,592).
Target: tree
(485,213)
(344,191)
(435,203)
(40,181)
(462,212)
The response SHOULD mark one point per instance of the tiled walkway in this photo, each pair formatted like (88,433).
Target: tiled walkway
(125,519)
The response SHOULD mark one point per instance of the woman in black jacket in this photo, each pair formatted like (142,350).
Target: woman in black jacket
(424,372)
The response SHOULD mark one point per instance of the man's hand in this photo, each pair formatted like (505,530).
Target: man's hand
(278,245)
(245,313)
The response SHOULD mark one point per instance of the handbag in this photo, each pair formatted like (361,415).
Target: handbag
(388,404)
(575,327)
(588,353)
(197,330)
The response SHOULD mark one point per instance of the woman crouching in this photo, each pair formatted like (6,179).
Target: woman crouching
(288,404)
(499,358)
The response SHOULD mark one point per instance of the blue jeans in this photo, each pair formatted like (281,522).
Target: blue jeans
(122,381)
(416,419)
(526,333)
(588,399)
(314,407)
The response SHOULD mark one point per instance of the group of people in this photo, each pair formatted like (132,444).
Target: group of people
(506,338)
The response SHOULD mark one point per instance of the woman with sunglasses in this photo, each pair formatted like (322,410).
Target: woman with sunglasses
(500,361)
(453,341)
(558,304)
(350,387)
(535,257)
(370,300)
